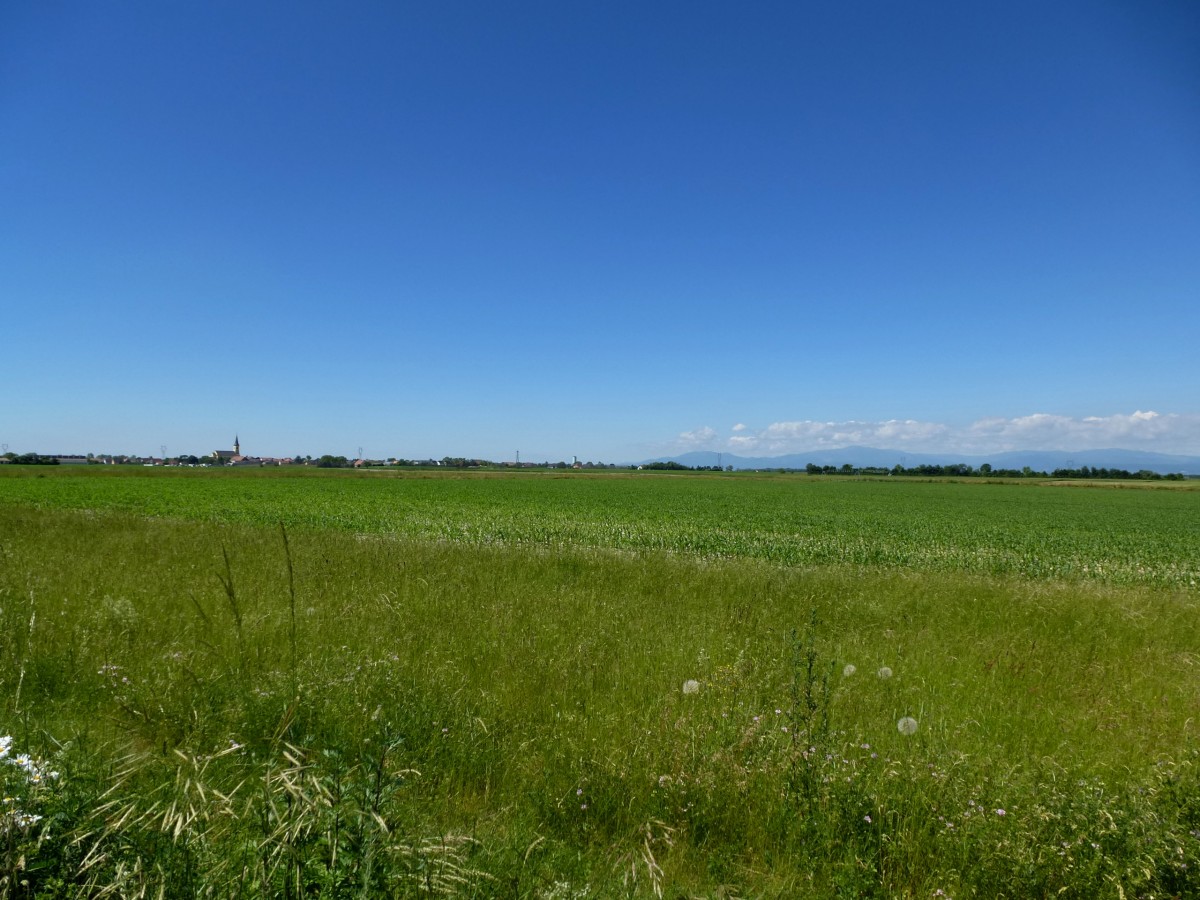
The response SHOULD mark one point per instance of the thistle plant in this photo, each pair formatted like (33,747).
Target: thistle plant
(810,695)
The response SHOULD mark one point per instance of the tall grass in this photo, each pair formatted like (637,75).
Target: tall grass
(240,711)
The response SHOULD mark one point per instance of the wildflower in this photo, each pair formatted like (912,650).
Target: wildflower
(849,670)
(867,819)
(691,686)
(578,792)
(884,672)
(1001,812)
(907,725)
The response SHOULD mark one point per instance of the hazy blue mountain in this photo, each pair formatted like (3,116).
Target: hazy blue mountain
(1038,460)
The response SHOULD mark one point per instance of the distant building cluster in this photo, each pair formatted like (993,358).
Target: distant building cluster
(234,457)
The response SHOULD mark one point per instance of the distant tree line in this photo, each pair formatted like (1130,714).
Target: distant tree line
(30,459)
(962,470)
(1123,474)
(671,466)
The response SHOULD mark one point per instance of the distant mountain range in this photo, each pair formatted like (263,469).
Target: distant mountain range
(1038,460)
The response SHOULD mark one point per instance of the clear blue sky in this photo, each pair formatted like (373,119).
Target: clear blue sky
(610,230)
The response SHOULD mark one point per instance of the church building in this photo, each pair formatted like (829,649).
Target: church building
(230,456)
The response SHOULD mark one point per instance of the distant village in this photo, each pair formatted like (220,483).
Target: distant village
(235,458)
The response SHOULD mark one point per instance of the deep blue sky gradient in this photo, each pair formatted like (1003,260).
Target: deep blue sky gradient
(610,230)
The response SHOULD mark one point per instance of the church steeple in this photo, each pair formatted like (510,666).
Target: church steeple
(237,448)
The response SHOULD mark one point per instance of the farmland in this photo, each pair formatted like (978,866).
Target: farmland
(1131,536)
(259,683)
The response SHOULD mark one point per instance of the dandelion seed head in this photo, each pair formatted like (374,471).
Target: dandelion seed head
(691,686)
(907,725)
(884,672)
(849,670)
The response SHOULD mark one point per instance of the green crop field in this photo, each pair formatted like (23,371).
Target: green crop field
(1113,535)
(262,683)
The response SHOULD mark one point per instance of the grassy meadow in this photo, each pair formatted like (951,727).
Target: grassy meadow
(339,684)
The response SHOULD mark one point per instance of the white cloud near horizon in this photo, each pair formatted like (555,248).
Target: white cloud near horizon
(1141,430)
(698,439)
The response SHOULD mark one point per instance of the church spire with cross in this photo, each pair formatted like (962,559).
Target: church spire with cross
(237,447)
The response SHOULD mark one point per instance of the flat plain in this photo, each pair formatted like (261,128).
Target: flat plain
(293,682)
